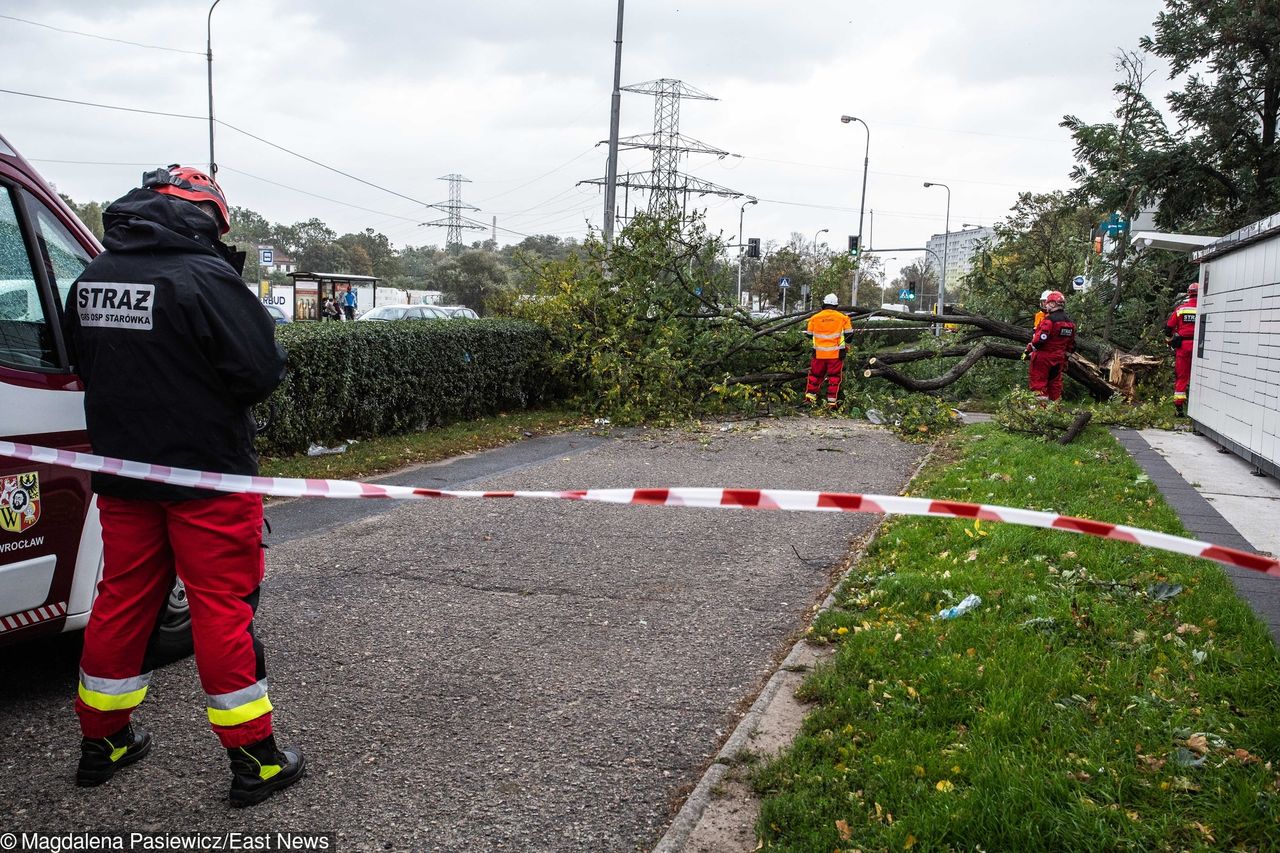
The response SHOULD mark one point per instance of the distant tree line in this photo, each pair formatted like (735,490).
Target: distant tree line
(481,276)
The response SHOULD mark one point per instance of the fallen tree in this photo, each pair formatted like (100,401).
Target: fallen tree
(982,341)
(648,329)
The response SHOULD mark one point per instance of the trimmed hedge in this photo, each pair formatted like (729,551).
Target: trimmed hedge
(359,380)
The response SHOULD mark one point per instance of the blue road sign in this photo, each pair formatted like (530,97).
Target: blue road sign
(265,257)
(906,294)
(784,282)
(1078,281)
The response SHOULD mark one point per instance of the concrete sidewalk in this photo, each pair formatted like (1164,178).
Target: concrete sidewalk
(1219,501)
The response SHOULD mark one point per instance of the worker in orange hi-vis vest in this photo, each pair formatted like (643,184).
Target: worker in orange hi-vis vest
(827,328)
(1040,315)
(1180,330)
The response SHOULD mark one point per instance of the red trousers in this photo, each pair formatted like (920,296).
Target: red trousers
(1045,375)
(215,546)
(825,368)
(1182,372)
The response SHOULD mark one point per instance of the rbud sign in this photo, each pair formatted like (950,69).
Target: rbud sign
(281,296)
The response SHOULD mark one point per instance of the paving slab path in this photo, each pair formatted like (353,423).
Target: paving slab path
(496,675)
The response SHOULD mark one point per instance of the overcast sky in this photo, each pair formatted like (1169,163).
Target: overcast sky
(515,96)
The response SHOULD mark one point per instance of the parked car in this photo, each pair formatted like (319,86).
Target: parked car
(404,312)
(459,312)
(50,535)
(277,314)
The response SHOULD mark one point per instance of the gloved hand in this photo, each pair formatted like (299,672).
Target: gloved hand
(1175,342)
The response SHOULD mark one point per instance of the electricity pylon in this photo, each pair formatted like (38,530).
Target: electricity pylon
(455,222)
(668,187)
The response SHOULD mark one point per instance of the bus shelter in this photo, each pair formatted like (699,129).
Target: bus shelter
(310,289)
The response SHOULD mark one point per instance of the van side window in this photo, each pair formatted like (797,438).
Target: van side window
(26,339)
(64,257)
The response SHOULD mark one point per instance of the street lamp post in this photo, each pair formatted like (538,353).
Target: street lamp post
(813,289)
(862,205)
(741,249)
(946,240)
(213,164)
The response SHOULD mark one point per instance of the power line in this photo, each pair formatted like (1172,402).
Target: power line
(224,124)
(85,162)
(318,163)
(102,38)
(834,168)
(222,167)
(102,106)
(540,177)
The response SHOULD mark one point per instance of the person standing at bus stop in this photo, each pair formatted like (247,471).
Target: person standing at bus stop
(827,328)
(349,303)
(1180,332)
(173,350)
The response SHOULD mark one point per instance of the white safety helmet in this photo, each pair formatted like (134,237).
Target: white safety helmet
(1044,294)
(830,299)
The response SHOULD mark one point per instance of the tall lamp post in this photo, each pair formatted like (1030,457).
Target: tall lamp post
(862,205)
(213,164)
(741,249)
(946,240)
(813,290)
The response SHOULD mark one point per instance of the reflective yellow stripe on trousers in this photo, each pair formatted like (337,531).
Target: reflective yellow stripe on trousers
(240,706)
(113,694)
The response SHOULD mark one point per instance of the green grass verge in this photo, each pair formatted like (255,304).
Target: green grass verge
(389,453)
(1071,711)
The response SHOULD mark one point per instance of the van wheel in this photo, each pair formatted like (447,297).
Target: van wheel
(172,640)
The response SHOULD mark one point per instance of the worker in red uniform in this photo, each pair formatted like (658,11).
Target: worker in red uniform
(173,350)
(1051,343)
(827,328)
(1180,330)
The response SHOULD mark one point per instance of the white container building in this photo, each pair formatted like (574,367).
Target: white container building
(1235,373)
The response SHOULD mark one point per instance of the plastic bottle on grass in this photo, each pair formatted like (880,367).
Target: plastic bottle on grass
(970,601)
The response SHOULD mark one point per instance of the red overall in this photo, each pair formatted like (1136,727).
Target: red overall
(1051,343)
(827,329)
(1181,330)
(215,546)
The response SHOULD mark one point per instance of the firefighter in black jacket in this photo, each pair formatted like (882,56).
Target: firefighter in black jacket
(173,350)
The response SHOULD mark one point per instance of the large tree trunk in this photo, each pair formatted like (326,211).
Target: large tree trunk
(879,366)
(972,348)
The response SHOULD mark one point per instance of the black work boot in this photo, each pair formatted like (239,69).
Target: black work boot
(260,769)
(101,757)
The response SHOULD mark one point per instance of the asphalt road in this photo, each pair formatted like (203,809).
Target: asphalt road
(496,675)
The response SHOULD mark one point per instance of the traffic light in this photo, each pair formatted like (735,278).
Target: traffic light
(1096,234)
(853,244)
(911,286)
(753,247)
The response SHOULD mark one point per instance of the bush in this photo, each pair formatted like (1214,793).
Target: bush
(359,380)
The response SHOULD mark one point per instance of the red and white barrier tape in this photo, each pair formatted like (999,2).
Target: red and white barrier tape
(775,499)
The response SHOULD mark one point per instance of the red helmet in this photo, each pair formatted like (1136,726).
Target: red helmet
(1193,289)
(1055,296)
(192,185)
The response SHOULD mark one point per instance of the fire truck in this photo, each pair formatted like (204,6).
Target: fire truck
(50,536)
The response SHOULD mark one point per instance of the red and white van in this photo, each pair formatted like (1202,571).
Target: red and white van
(50,538)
